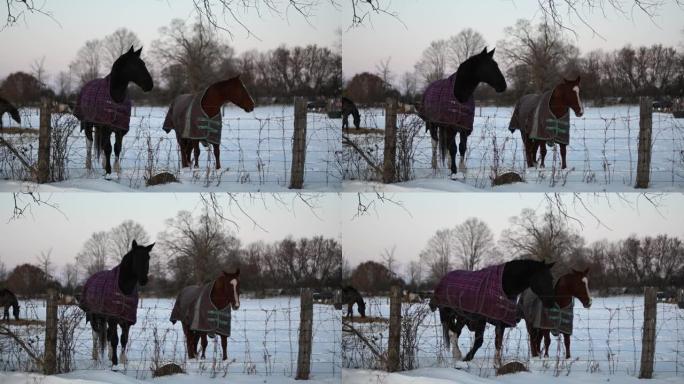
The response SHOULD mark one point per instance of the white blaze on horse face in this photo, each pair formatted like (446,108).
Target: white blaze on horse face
(579,102)
(234,283)
(586,286)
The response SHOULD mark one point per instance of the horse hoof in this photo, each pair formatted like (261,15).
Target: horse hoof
(108,176)
(454,176)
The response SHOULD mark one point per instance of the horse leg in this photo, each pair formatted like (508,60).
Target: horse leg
(498,342)
(224,347)
(350,310)
(563,152)
(542,153)
(189,341)
(462,147)
(204,343)
(88,130)
(479,338)
(124,342)
(452,152)
(182,149)
(217,155)
(195,147)
(197,336)
(118,140)
(113,340)
(455,350)
(345,121)
(547,341)
(107,147)
(566,340)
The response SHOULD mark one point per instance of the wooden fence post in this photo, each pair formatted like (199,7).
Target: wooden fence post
(644,147)
(50,355)
(390,152)
(44,137)
(298,144)
(394,342)
(305,332)
(648,338)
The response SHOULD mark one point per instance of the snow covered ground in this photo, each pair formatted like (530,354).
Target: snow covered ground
(602,155)
(256,154)
(263,344)
(606,342)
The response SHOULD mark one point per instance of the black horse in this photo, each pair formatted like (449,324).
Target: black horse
(7,107)
(349,108)
(100,304)
(9,299)
(128,68)
(517,276)
(349,296)
(480,68)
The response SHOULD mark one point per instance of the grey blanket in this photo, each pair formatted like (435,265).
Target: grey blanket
(187,117)
(533,117)
(554,319)
(194,307)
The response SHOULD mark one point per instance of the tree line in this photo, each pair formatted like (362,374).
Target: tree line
(186,58)
(192,249)
(624,265)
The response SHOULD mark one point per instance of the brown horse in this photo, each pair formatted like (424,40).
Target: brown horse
(223,294)
(9,299)
(569,286)
(564,96)
(205,122)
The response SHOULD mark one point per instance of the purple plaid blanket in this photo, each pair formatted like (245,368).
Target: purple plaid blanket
(95,105)
(101,295)
(188,118)
(479,292)
(194,306)
(440,105)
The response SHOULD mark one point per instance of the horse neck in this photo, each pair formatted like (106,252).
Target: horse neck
(558,108)
(516,277)
(466,81)
(216,95)
(118,85)
(127,277)
(562,293)
(216,297)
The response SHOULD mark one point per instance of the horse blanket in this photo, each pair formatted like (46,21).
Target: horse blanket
(187,117)
(101,295)
(194,306)
(479,292)
(440,106)
(533,117)
(554,319)
(95,105)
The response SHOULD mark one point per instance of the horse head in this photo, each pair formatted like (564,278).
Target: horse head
(129,67)
(231,288)
(541,283)
(569,93)
(140,261)
(239,94)
(487,70)
(578,283)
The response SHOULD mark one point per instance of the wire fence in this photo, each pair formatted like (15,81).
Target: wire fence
(602,150)
(263,341)
(606,339)
(255,149)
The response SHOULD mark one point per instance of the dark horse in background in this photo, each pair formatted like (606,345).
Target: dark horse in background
(197,117)
(517,276)
(9,299)
(110,299)
(103,104)
(206,309)
(349,108)
(438,104)
(7,107)
(568,286)
(350,295)
(563,97)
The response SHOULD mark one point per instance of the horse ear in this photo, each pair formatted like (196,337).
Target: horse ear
(549,266)
(586,271)
(491,53)
(134,244)
(131,50)
(484,51)
(149,247)
(237,271)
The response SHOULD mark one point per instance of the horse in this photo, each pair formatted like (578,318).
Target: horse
(473,299)
(544,119)
(448,106)
(206,310)
(110,298)
(349,108)
(7,107)
(349,296)
(568,286)
(103,104)
(9,299)
(197,117)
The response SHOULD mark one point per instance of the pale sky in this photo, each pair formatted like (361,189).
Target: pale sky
(409,228)
(423,21)
(80,20)
(80,214)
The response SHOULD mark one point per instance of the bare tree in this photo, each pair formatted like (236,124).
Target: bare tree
(384,71)
(17,10)
(45,262)
(409,85)
(64,84)
(93,256)
(432,64)
(438,254)
(121,237)
(88,63)
(474,242)
(3,271)
(118,43)
(389,260)
(463,45)
(414,272)
(38,71)
(70,274)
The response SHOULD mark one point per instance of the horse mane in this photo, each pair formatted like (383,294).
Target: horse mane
(466,82)
(126,267)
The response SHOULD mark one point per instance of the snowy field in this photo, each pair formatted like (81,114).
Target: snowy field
(602,155)
(605,344)
(256,154)
(263,344)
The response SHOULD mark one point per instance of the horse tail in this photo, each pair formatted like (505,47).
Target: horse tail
(445,318)
(443,143)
